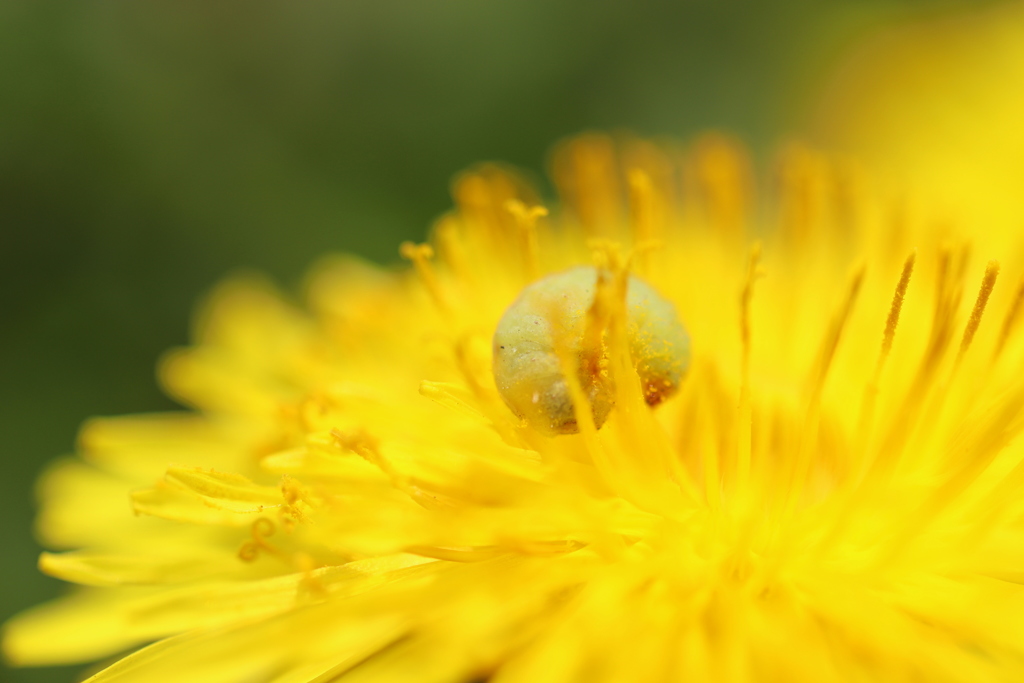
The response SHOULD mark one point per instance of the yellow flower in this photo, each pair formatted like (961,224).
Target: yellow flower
(832,494)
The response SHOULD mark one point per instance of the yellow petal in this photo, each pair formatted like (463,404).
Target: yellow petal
(92,623)
(105,569)
(141,446)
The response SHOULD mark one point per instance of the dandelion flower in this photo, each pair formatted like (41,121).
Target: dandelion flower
(829,492)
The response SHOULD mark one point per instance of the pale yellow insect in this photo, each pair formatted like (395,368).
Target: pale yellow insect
(527,367)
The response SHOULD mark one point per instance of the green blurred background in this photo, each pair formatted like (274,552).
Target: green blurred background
(146,149)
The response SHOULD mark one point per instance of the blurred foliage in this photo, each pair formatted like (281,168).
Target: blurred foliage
(146,149)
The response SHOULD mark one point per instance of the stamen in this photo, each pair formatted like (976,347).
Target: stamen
(261,530)
(724,186)
(856,490)
(365,446)
(453,250)
(642,209)
(937,404)
(754,272)
(641,204)
(643,451)
(526,219)
(609,300)
(894,310)
(831,340)
(585,171)
(481,195)
(471,364)
(987,283)
(584,412)
(590,365)
(804,176)
(420,255)
(907,417)
(295,498)
(608,254)
(867,412)
(809,436)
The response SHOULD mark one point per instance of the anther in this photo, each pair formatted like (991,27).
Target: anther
(420,255)
(526,219)
(987,283)
(891,322)
(896,307)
